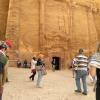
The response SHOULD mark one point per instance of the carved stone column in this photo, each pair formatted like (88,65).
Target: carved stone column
(12,31)
(42,23)
(93,35)
(87,29)
(4,6)
(70,24)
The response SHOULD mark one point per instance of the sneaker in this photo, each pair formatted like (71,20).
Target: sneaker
(38,87)
(78,91)
(84,93)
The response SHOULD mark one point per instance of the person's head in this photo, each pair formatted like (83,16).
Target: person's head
(25,60)
(39,62)
(18,60)
(81,51)
(34,58)
(98,48)
(3,47)
(39,59)
(41,56)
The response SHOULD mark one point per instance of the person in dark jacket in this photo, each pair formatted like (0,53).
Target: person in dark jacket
(53,64)
(25,64)
(18,63)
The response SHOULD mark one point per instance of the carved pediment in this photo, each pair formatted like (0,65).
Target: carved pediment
(55,36)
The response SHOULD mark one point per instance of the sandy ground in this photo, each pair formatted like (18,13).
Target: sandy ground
(57,85)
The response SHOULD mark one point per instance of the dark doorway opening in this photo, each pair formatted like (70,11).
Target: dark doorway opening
(57,62)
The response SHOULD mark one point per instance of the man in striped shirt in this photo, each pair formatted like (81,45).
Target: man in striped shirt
(81,63)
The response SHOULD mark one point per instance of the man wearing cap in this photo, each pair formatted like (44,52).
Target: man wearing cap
(3,61)
(82,62)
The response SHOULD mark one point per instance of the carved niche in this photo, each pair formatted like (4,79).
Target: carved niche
(54,29)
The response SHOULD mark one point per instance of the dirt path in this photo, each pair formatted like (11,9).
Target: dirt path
(57,85)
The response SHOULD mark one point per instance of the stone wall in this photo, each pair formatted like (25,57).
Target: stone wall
(23,27)
(4,4)
(84,30)
(56,28)
(29,27)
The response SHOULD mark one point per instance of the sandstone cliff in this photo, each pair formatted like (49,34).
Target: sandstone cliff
(57,28)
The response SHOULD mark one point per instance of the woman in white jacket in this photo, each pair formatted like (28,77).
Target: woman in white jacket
(33,70)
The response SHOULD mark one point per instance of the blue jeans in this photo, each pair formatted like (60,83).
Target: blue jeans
(81,75)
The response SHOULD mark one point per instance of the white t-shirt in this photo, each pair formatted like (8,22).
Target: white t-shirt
(33,64)
(2,52)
